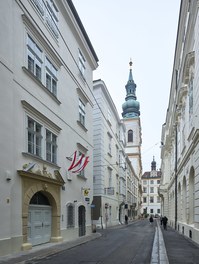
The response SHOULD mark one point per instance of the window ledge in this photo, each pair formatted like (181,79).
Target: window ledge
(33,77)
(82,126)
(40,159)
(82,177)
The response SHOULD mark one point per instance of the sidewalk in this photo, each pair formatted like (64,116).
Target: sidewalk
(180,250)
(171,247)
(45,249)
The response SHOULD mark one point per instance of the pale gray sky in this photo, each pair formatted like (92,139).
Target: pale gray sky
(146,32)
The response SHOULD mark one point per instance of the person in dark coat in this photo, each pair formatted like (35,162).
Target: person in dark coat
(126,219)
(164,221)
(151,219)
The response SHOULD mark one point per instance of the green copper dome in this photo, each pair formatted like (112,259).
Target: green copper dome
(131,108)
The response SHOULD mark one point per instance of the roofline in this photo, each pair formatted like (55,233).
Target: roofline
(79,22)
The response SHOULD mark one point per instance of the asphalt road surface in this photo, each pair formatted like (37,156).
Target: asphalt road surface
(118,245)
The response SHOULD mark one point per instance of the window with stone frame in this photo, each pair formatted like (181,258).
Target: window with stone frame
(144,189)
(51,77)
(82,113)
(151,199)
(151,189)
(41,66)
(35,58)
(51,147)
(82,64)
(49,12)
(34,130)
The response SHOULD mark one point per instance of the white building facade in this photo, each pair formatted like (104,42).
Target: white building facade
(109,177)
(132,191)
(180,133)
(151,202)
(46,65)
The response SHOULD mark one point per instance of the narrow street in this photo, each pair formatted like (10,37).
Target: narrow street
(125,244)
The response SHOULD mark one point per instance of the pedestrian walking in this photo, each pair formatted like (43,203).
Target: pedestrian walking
(126,219)
(151,220)
(164,221)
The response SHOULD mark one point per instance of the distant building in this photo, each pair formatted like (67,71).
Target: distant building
(151,203)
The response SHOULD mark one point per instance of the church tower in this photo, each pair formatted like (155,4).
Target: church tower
(131,120)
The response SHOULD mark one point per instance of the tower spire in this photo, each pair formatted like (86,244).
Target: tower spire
(153,164)
(131,106)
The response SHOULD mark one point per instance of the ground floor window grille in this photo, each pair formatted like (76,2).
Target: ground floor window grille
(70,216)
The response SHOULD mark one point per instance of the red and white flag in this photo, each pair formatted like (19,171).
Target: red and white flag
(79,164)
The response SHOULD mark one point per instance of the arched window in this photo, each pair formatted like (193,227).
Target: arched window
(70,216)
(39,199)
(130,135)
(191,195)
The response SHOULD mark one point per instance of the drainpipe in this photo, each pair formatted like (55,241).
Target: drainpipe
(176,179)
(176,160)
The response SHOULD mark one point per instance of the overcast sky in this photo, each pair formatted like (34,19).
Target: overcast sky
(146,32)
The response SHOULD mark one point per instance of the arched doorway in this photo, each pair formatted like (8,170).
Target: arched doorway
(40,192)
(39,219)
(82,220)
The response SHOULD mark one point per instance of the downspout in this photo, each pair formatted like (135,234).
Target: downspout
(176,160)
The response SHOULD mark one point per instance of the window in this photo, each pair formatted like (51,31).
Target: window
(151,211)
(39,5)
(109,177)
(52,17)
(109,143)
(144,182)
(70,216)
(151,181)
(144,190)
(130,135)
(158,181)
(151,189)
(34,58)
(109,116)
(46,72)
(151,199)
(81,112)
(49,12)
(117,154)
(158,211)
(82,66)
(158,199)
(51,77)
(144,199)
(34,137)
(51,147)
(190,86)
